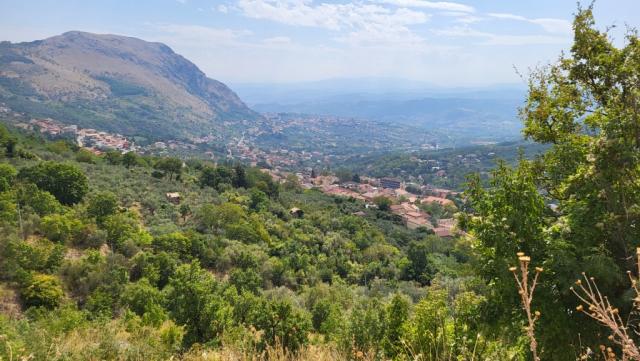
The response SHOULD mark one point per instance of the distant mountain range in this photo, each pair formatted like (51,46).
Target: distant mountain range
(138,88)
(116,83)
(368,88)
(459,115)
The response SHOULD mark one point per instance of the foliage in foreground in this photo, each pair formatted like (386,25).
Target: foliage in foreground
(575,208)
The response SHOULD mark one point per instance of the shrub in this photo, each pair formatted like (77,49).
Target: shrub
(101,205)
(42,291)
(61,227)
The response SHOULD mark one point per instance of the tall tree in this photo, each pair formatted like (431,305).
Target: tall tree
(170,166)
(585,106)
(66,182)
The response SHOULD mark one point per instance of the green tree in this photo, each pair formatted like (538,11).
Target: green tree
(383,203)
(170,166)
(41,202)
(142,297)
(396,314)
(222,217)
(124,228)
(176,243)
(214,177)
(325,317)
(101,205)
(61,227)
(585,107)
(185,211)
(259,200)
(194,300)
(239,177)
(283,325)
(129,159)
(420,267)
(366,327)
(7,176)
(66,182)
(8,142)
(113,157)
(85,156)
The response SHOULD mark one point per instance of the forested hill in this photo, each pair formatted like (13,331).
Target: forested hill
(168,258)
(115,83)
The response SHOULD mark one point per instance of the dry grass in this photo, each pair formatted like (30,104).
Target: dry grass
(309,353)
(9,302)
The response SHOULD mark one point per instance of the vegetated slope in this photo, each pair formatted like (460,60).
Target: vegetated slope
(224,269)
(447,168)
(115,83)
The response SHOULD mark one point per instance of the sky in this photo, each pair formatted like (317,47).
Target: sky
(461,43)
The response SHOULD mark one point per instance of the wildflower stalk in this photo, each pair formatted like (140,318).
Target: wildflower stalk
(598,307)
(525,290)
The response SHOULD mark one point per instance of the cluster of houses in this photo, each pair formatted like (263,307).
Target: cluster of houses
(405,204)
(94,139)
(91,139)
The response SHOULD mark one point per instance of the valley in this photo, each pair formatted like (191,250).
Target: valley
(334,180)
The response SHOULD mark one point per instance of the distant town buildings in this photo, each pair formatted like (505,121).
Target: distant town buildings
(91,139)
(406,205)
(392,183)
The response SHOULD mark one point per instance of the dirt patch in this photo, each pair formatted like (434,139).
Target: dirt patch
(10,302)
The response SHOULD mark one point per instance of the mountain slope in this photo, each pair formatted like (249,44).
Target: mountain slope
(115,83)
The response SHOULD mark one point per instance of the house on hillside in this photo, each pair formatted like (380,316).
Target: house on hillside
(173,197)
(413,222)
(442,201)
(296,212)
(391,183)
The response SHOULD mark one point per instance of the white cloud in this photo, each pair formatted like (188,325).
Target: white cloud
(559,26)
(507,16)
(357,23)
(462,17)
(550,25)
(223,8)
(400,37)
(436,5)
(329,16)
(500,39)
(198,36)
(278,40)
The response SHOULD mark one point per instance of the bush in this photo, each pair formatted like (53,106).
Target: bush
(61,227)
(101,205)
(39,201)
(283,325)
(85,156)
(42,291)
(7,175)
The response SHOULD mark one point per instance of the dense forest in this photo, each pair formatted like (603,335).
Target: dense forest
(131,257)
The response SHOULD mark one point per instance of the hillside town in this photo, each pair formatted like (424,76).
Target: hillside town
(407,205)
(91,139)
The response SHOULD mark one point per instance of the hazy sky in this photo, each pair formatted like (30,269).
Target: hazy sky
(470,42)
